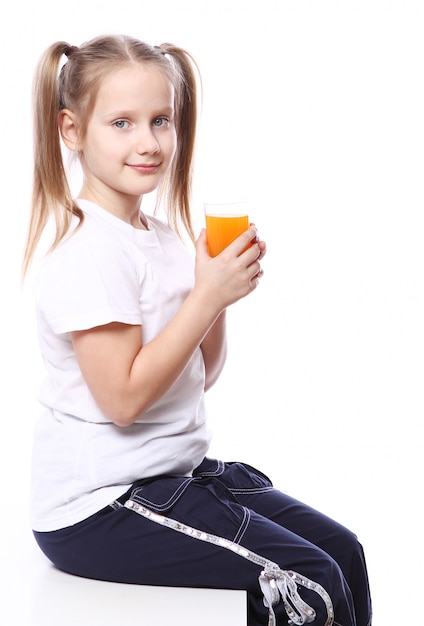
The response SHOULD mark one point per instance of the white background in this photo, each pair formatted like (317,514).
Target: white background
(314,110)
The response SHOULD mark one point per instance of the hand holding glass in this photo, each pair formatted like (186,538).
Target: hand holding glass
(225,221)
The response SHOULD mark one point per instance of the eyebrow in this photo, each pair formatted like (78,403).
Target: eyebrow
(131,112)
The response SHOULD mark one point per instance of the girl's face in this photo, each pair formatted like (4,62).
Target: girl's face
(131,139)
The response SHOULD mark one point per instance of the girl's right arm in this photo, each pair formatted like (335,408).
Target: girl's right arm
(126,376)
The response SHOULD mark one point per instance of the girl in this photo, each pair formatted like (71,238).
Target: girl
(132,334)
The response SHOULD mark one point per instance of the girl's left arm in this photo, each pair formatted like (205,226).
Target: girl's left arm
(214,349)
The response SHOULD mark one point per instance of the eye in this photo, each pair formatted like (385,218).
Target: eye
(161,122)
(121,124)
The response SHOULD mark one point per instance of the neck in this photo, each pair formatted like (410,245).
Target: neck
(126,208)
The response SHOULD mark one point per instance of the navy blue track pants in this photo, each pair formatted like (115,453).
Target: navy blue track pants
(230,500)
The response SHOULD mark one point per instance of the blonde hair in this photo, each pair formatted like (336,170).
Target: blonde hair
(75,87)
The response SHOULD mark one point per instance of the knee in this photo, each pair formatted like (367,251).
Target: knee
(337,592)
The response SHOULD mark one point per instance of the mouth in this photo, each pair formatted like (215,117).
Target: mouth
(144,168)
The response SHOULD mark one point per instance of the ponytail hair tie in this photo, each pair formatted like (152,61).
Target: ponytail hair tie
(70,50)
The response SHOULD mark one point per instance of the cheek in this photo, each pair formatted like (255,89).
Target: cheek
(101,153)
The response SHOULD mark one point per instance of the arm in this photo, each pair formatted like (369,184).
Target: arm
(127,377)
(214,345)
(214,349)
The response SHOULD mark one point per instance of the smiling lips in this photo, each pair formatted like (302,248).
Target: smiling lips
(145,168)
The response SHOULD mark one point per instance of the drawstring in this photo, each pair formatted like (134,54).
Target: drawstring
(276,584)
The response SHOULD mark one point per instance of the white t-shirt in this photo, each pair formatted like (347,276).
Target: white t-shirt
(108,271)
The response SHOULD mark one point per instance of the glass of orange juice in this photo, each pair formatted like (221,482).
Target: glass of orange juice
(225,221)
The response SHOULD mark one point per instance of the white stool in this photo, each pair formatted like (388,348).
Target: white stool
(34,593)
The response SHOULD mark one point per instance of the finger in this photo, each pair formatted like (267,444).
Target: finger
(255,270)
(243,241)
(201,243)
(254,281)
(262,248)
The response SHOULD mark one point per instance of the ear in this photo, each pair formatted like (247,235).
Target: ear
(69,129)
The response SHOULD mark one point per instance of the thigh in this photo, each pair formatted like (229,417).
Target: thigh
(313,526)
(118,544)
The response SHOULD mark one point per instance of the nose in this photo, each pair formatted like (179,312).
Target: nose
(146,141)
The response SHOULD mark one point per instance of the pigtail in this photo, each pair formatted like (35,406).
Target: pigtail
(51,196)
(179,180)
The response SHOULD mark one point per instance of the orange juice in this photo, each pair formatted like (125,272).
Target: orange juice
(221,230)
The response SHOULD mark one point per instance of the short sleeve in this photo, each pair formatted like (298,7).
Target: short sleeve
(89,281)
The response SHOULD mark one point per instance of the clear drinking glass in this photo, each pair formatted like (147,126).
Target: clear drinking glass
(225,221)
